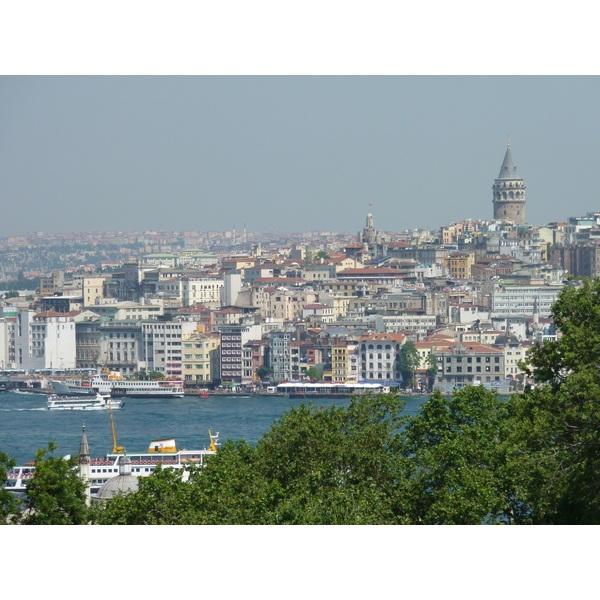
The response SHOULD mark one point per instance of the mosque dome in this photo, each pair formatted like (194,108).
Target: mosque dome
(123,482)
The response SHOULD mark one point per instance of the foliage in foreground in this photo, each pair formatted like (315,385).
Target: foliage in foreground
(357,465)
(467,459)
(56,492)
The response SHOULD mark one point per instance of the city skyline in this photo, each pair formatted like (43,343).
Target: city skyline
(288,154)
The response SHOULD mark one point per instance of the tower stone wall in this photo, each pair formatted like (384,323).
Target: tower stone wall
(509,193)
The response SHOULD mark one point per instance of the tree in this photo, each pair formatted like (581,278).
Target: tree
(555,428)
(452,462)
(314,374)
(315,465)
(11,294)
(9,504)
(144,375)
(408,361)
(321,254)
(56,494)
(431,363)
(335,465)
(263,372)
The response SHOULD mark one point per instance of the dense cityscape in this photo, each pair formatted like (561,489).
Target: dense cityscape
(494,319)
(238,309)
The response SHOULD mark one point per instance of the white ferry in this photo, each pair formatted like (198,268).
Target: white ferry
(97,402)
(142,463)
(304,389)
(111,383)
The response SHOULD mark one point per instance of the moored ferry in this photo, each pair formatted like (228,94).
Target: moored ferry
(85,402)
(142,463)
(112,384)
(304,389)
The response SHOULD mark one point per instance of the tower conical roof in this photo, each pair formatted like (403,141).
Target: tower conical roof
(84,449)
(508,170)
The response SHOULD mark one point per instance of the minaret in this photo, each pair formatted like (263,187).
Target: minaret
(509,192)
(84,464)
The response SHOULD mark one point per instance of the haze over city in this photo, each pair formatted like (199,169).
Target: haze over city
(288,153)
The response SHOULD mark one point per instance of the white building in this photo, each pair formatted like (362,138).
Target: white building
(201,289)
(519,300)
(44,341)
(7,343)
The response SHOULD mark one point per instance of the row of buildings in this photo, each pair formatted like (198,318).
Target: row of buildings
(475,296)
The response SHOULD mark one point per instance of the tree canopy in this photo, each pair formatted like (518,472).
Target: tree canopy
(555,427)
(408,362)
(56,492)
(469,458)
(9,503)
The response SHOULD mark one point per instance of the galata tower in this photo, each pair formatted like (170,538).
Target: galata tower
(509,192)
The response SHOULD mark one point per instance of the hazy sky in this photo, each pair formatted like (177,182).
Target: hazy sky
(289,153)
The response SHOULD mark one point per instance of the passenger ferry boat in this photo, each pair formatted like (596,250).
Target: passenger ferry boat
(142,463)
(86,402)
(111,383)
(304,389)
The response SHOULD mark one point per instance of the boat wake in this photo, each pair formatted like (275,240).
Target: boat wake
(20,409)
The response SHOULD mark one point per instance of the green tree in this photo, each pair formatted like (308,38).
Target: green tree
(314,374)
(321,254)
(452,463)
(431,364)
(408,361)
(9,504)
(335,465)
(555,428)
(56,494)
(315,465)
(144,375)
(263,372)
(11,294)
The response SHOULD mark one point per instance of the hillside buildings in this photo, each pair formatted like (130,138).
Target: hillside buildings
(213,307)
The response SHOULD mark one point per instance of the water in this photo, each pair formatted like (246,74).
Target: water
(26,424)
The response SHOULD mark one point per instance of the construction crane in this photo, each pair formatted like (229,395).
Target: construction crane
(116,449)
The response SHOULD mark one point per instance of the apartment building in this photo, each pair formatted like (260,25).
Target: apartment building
(201,289)
(233,338)
(520,300)
(470,364)
(280,356)
(161,346)
(44,340)
(200,357)
(377,356)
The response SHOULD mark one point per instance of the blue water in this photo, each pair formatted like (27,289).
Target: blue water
(26,424)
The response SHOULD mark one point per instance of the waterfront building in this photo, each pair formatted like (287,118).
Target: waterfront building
(200,357)
(115,344)
(461,364)
(44,340)
(162,345)
(7,342)
(377,356)
(280,356)
(233,338)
